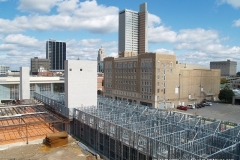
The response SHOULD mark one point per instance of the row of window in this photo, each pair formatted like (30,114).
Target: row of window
(127,88)
(147,90)
(108,65)
(126,93)
(126,76)
(126,65)
(146,97)
(146,83)
(163,77)
(125,71)
(108,75)
(126,82)
(108,85)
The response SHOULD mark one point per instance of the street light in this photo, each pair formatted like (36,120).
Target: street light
(201,89)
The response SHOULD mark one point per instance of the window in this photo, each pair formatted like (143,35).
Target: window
(158,63)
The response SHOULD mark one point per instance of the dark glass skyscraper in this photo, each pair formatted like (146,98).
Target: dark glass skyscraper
(56,53)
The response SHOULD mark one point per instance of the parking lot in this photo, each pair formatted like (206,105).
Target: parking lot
(218,111)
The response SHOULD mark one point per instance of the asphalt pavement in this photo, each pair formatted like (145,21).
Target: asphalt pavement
(218,111)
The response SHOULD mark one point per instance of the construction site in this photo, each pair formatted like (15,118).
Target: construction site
(120,130)
(29,121)
(32,130)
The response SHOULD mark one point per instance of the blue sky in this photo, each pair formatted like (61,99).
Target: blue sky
(197,31)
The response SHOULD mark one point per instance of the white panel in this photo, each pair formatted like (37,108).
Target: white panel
(80,83)
(24,83)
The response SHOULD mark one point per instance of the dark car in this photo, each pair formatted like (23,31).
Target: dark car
(199,106)
(182,107)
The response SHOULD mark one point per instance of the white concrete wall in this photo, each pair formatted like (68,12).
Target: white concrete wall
(24,83)
(80,83)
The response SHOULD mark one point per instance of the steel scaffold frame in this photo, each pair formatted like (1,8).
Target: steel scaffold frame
(120,130)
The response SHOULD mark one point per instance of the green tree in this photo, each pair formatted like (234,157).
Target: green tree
(223,80)
(238,74)
(226,94)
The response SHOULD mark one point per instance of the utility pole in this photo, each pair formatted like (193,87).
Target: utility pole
(179,89)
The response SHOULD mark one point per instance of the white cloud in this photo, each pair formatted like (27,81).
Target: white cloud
(22,41)
(87,15)
(6,47)
(89,42)
(153,20)
(43,6)
(236,23)
(161,34)
(164,51)
(198,35)
(67,7)
(233,3)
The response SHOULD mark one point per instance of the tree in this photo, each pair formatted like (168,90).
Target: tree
(226,94)
(223,80)
(238,74)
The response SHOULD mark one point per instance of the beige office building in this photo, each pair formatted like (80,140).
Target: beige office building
(157,80)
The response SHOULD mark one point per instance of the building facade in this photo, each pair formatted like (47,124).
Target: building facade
(39,65)
(10,86)
(100,58)
(56,53)
(4,70)
(132,34)
(228,68)
(156,80)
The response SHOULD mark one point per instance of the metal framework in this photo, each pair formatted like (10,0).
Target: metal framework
(119,130)
(18,121)
(53,101)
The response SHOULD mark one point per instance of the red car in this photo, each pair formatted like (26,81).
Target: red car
(182,107)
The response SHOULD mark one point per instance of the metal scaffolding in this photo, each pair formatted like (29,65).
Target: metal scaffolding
(120,130)
(28,121)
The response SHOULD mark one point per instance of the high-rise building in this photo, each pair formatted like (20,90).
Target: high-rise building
(4,69)
(56,53)
(37,64)
(228,68)
(132,34)
(100,58)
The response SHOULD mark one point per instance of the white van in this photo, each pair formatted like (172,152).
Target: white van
(191,106)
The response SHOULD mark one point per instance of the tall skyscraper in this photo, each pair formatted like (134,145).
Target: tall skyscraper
(100,58)
(132,34)
(56,53)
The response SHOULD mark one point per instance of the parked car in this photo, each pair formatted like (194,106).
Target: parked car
(182,107)
(198,106)
(191,106)
(208,104)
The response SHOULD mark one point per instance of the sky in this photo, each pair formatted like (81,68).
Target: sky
(196,31)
